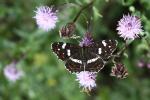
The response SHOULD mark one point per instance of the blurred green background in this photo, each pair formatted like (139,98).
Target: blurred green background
(45,76)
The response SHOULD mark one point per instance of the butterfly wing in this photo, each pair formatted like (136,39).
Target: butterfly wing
(74,63)
(95,63)
(104,48)
(89,62)
(91,59)
(64,50)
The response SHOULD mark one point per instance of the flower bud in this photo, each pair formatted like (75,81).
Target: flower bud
(119,71)
(67,31)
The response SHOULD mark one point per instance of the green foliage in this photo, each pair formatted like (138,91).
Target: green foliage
(45,76)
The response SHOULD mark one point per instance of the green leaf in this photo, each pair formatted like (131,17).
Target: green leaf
(96,13)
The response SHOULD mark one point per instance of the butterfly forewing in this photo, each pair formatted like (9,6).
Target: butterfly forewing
(64,50)
(104,48)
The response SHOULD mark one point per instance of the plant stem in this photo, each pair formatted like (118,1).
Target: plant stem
(123,49)
(84,7)
(147,41)
(118,55)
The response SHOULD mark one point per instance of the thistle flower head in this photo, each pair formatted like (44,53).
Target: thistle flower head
(129,27)
(12,73)
(87,40)
(148,65)
(141,63)
(86,79)
(46,18)
(119,71)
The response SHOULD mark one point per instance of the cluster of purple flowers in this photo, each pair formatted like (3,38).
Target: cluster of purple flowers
(141,64)
(129,28)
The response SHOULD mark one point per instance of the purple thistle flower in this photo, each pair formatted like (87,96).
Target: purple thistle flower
(12,73)
(141,63)
(46,18)
(86,79)
(129,27)
(148,65)
(87,40)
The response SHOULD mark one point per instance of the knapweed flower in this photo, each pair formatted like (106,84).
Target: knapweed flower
(12,73)
(86,80)
(129,27)
(148,65)
(67,30)
(46,18)
(87,40)
(119,71)
(141,63)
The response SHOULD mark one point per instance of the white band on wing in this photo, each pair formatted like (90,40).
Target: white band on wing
(92,60)
(76,60)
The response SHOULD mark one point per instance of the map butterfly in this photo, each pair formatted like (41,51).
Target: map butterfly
(87,58)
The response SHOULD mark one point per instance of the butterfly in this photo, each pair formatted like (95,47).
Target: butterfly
(87,58)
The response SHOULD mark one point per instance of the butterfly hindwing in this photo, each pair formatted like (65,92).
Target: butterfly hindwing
(88,62)
(94,64)
(74,63)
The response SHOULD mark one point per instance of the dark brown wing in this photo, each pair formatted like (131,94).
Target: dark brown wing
(64,50)
(90,62)
(104,48)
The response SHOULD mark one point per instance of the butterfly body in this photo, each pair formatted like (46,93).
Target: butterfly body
(87,58)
